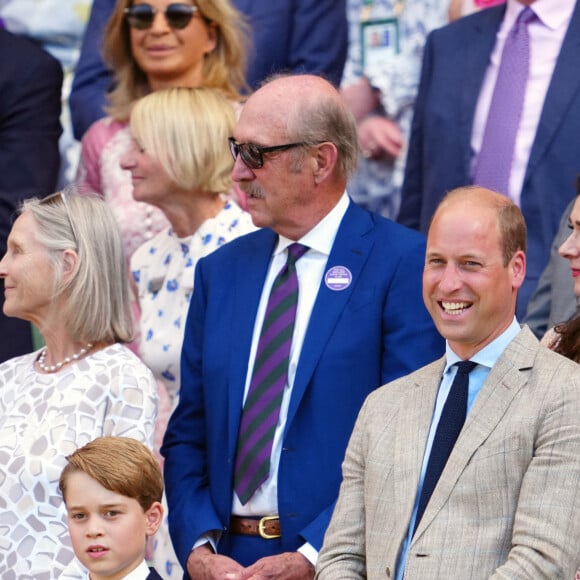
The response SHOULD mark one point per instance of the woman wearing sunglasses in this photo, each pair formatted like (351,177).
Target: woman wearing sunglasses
(149,46)
(64,272)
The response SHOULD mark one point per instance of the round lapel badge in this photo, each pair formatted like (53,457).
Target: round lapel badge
(338,278)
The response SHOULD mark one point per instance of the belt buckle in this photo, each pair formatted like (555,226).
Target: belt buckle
(262,530)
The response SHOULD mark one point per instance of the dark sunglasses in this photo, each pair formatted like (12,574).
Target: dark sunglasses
(141,16)
(55,199)
(252,154)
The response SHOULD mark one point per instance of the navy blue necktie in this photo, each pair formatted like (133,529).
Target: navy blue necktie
(450,424)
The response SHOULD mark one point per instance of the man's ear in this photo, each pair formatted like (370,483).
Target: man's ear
(154,517)
(324,161)
(70,262)
(518,268)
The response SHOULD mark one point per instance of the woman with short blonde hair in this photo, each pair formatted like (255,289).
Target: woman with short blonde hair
(180,162)
(187,131)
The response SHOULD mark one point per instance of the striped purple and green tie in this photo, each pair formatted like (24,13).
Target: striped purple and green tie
(262,406)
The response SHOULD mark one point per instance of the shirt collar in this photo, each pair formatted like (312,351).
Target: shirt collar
(139,573)
(490,353)
(321,237)
(552,13)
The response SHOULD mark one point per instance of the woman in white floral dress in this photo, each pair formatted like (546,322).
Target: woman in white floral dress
(63,271)
(179,162)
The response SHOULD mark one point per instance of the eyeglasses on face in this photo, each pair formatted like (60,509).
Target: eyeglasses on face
(55,199)
(177,15)
(253,155)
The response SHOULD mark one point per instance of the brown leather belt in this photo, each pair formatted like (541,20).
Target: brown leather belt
(267,527)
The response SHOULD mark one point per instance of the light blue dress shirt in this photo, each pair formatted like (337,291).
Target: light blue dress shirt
(485,359)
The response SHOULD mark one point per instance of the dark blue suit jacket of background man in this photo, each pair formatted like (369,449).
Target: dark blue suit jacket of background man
(455,61)
(357,339)
(299,36)
(30,97)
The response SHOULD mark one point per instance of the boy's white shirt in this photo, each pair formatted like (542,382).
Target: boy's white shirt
(140,573)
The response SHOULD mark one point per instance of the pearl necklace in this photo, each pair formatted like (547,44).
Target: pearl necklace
(57,366)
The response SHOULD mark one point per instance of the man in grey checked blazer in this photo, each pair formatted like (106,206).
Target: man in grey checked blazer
(507,504)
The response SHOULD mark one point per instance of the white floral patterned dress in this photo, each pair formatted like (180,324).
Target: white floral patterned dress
(163,270)
(44,418)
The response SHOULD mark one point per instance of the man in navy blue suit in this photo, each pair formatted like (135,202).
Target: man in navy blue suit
(460,66)
(30,99)
(360,322)
(300,36)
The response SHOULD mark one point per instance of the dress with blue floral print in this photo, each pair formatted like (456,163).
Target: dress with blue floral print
(163,270)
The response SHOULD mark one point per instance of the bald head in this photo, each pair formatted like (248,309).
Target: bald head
(307,108)
(294,86)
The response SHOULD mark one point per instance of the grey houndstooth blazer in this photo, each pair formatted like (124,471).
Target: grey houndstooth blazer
(507,504)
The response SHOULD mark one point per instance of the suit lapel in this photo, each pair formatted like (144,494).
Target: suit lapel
(504,382)
(246,284)
(412,429)
(351,248)
(564,86)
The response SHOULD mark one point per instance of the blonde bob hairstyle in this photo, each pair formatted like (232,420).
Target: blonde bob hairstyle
(186,131)
(224,68)
(97,308)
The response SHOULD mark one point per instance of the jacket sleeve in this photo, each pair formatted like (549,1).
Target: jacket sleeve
(92,79)
(191,510)
(30,105)
(319,38)
(412,192)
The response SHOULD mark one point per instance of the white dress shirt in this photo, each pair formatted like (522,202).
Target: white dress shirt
(139,573)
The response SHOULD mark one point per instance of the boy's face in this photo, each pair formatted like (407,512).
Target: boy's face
(108,530)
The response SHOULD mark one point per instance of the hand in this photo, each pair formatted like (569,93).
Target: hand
(286,566)
(379,138)
(360,98)
(203,564)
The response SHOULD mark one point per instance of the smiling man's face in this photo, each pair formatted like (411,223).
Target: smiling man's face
(468,290)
